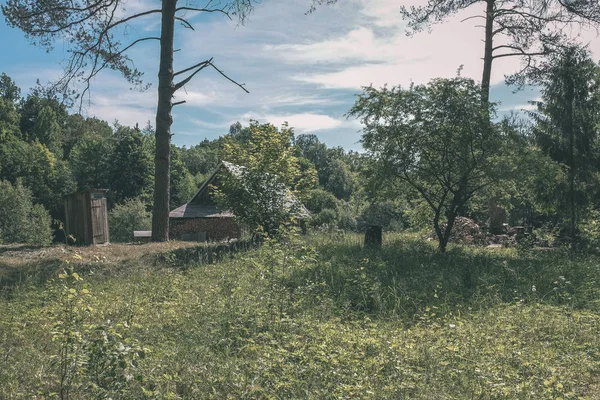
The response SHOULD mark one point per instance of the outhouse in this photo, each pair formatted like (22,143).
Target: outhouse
(86,217)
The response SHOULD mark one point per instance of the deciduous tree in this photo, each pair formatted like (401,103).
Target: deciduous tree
(435,139)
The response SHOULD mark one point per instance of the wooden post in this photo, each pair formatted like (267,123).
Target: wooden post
(373,236)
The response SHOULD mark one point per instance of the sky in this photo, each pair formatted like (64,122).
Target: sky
(302,68)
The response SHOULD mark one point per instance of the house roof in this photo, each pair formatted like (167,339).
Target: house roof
(190,210)
(195,209)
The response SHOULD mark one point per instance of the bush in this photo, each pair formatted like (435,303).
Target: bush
(21,221)
(386,214)
(325,217)
(319,200)
(127,217)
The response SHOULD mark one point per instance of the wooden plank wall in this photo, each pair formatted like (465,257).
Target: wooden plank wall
(86,219)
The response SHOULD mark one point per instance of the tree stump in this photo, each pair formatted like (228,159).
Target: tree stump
(373,236)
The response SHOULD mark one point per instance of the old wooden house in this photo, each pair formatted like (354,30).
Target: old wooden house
(201,220)
(86,217)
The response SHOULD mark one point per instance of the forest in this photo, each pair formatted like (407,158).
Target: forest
(485,283)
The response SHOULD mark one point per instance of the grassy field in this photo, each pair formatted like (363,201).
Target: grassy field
(316,317)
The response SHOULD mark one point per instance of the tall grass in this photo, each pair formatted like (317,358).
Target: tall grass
(317,317)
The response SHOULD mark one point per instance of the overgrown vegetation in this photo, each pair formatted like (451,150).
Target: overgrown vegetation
(318,318)
(22,221)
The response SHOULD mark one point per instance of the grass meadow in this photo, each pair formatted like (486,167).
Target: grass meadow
(316,317)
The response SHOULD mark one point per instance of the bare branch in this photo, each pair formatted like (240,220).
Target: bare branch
(208,10)
(183,71)
(142,14)
(185,23)
(179,85)
(472,17)
(240,85)
(179,103)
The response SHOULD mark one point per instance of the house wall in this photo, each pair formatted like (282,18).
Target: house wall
(216,228)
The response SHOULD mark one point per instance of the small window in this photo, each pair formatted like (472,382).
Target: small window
(97,195)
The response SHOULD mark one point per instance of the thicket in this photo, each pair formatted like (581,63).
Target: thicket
(22,221)
(124,218)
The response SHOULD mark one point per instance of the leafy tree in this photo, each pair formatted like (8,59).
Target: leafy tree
(93,31)
(22,221)
(9,114)
(131,166)
(319,200)
(268,150)
(127,217)
(77,127)
(202,158)
(47,131)
(9,89)
(91,162)
(183,185)
(567,121)
(47,177)
(257,190)
(432,138)
(33,106)
(309,147)
(340,180)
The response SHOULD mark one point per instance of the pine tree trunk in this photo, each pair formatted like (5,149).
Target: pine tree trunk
(162,162)
(488,53)
(570,133)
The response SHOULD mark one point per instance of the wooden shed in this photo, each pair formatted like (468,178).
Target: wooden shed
(86,217)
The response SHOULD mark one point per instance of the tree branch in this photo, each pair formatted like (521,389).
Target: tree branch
(185,23)
(240,85)
(183,71)
(208,10)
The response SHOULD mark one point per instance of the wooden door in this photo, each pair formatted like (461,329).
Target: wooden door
(99,221)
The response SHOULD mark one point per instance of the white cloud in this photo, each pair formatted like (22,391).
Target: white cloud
(304,122)
(359,44)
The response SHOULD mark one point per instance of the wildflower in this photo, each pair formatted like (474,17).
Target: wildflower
(533,289)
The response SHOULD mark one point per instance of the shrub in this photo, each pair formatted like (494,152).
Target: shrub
(325,217)
(22,221)
(319,200)
(386,214)
(127,217)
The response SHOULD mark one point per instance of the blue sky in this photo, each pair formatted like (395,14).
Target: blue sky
(304,69)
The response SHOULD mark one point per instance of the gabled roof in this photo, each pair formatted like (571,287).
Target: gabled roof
(195,208)
(235,170)
(189,210)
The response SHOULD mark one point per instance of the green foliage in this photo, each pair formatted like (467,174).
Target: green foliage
(132,166)
(259,191)
(9,114)
(183,185)
(566,126)
(95,359)
(319,199)
(316,318)
(47,130)
(341,181)
(386,214)
(91,162)
(268,150)
(22,221)
(202,158)
(436,139)
(326,216)
(258,199)
(124,218)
